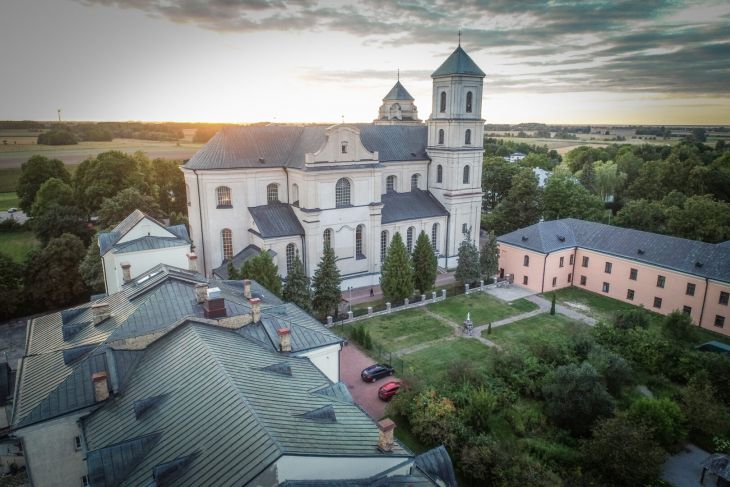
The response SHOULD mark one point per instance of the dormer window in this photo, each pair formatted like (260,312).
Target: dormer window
(343,146)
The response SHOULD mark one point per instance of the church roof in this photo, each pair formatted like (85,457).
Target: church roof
(238,260)
(398,92)
(276,220)
(413,205)
(286,145)
(458,63)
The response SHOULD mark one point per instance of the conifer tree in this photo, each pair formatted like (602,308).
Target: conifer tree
(296,288)
(467,270)
(424,264)
(396,279)
(326,284)
(261,268)
(489,257)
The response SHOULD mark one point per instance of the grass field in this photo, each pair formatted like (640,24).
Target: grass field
(17,244)
(564,146)
(543,328)
(483,308)
(431,363)
(8,200)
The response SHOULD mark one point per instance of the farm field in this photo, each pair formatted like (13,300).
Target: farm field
(8,200)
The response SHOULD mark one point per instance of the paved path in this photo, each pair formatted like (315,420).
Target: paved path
(684,470)
(563,310)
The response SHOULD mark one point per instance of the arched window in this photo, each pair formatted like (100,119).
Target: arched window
(414,181)
(359,232)
(327,238)
(227,242)
(223,194)
(442,106)
(342,192)
(467,137)
(526,261)
(409,238)
(295,194)
(468,101)
(383,244)
(390,184)
(272,193)
(434,236)
(187,193)
(441,136)
(439,174)
(290,252)
(466,174)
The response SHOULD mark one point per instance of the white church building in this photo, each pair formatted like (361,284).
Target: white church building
(291,189)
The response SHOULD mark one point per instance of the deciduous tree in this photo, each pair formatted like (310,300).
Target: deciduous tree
(114,210)
(52,192)
(52,274)
(33,173)
(11,275)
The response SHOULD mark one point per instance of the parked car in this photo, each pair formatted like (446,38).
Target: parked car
(390,389)
(376,371)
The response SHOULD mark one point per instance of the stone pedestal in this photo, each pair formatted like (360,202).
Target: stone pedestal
(406,302)
(387,307)
(329,320)
(433,295)
(370,310)
(466,289)
(443,294)
(423,297)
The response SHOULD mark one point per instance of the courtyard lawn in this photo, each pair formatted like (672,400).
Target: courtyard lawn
(432,362)
(543,328)
(483,308)
(602,308)
(8,200)
(401,329)
(17,244)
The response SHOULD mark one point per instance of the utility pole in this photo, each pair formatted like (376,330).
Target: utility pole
(59,114)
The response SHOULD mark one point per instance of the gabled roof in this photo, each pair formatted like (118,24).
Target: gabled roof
(413,205)
(459,63)
(679,254)
(398,92)
(238,260)
(108,240)
(276,220)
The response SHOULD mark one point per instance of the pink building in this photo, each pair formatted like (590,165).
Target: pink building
(659,272)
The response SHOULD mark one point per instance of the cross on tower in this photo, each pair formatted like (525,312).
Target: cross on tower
(459,37)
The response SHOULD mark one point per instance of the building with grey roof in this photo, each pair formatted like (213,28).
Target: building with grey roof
(294,189)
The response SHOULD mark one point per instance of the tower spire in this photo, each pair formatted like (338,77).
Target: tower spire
(459,37)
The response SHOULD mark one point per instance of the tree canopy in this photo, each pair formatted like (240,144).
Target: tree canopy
(297,288)
(33,173)
(489,257)
(468,268)
(425,265)
(396,279)
(262,269)
(54,272)
(326,285)
(114,210)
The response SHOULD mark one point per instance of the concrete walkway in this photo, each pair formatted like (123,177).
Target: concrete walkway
(684,470)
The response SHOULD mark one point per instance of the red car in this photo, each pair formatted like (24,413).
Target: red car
(387,391)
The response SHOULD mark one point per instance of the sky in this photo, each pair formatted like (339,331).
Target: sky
(583,62)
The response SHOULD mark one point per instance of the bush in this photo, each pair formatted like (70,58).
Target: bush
(59,136)
(522,371)
(679,328)
(434,420)
(706,416)
(663,417)
(615,370)
(631,318)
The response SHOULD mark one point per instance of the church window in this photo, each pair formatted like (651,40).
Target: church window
(439,173)
(464,228)
(434,236)
(359,231)
(466,174)
(272,193)
(409,238)
(227,241)
(442,108)
(441,136)
(390,185)
(344,147)
(223,194)
(414,181)
(290,251)
(295,194)
(342,192)
(383,244)
(467,137)
(468,101)
(327,238)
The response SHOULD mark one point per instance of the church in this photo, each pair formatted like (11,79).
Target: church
(294,189)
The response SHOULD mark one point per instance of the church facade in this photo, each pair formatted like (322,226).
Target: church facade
(292,190)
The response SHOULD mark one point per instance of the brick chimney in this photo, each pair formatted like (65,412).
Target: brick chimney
(247,288)
(284,339)
(101,386)
(126,271)
(100,312)
(192,262)
(255,309)
(214,305)
(201,292)
(385,440)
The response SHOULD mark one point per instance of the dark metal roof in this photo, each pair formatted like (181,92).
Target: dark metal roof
(398,92)
(460,63)
(109,466)
(436,463)
(238,260)
(276,220)
(149,242)
(680,254)
(286,145)
(108,240)
(413,205)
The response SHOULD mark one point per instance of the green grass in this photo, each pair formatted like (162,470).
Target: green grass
(432,362)
(602,308)
(8,200)
(17,244)
(544,327)
(483,307)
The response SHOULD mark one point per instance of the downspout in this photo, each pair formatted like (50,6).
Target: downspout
(704,300)
(304,256)
(287,185)
(103,271)
(575,258)
(544,262)
(200,219)
(448,224)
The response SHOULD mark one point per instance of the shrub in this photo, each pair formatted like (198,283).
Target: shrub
(433,419)
(520,370)
(706,416)
(631,318)
(613,367)
(678,327)
(663,417)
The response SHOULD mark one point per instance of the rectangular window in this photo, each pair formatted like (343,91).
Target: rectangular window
(585,261)
(464,228)
(570,277)
(526,261)
(719,321)
(562,261)
(555,281)
(524,280)
(660,281)
(583,280)
(724,297)
(77,442)
(607,268)
(570,261)
(690,289)
(687,310)
(606,287)
(633,273)
(84,481)
(630,294)
(657,303)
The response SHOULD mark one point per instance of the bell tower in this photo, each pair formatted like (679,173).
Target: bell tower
(456,148)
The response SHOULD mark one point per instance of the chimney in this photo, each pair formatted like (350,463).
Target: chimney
(385,440)
(284,339)
(247,288)
(126,271)
(201,292)
(101,386)
(192,262)
(214,305)
(255,309)
(100,312)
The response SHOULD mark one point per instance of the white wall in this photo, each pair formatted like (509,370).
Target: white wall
(144,228)
(326,359)
(140,263)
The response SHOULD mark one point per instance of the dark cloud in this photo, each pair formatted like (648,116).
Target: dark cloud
(621,45)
